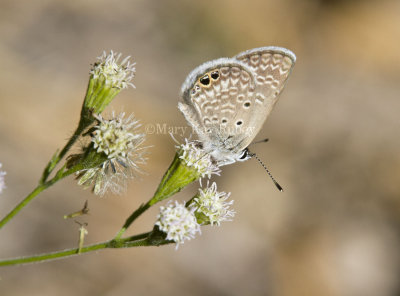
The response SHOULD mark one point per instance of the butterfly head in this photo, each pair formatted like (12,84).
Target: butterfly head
(245,155)
(223,156)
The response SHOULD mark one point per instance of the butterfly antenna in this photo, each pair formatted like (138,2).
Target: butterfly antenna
(268,172)
(261,141)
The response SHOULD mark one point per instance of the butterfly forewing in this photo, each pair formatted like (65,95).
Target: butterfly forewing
(272,67)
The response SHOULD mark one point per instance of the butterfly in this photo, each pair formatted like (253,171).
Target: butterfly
(227,100)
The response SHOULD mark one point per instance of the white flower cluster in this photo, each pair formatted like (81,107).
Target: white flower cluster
(2,184)
(118,139)
(213,205)
(180,223)
(116,74)
(196,157)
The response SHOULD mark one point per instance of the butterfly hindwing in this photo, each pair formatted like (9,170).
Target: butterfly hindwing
(217,100)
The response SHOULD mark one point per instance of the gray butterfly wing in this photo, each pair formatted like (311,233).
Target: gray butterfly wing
(216,99)
(272,67)
(226,101)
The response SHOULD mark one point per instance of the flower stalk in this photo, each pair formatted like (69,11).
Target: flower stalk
(62,173)
(140,240)
(174,180)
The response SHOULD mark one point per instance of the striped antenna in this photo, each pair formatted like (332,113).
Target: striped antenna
(268,172)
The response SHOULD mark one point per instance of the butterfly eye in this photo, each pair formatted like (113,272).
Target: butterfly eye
(244,154)
(205,80)
(215,75)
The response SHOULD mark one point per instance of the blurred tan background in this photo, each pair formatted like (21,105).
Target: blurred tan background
(334,146)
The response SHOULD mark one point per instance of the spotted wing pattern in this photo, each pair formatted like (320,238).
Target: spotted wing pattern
(272,67)
(226,101)
(217,103)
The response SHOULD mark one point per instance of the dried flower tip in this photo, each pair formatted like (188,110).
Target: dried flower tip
(178,222)
(213,205)
(116,74)
(118,139)
(2,183)
(102,180)
(194,156)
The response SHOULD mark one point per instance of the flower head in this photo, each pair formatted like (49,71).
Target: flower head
(116,74)
(114,137)
(2,184)
(190,163)
(108,77)
(211,206)
(194,156)
(119,142)
(177,222)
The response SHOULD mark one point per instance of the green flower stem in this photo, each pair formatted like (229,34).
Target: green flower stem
(22,204)
(175,179)
(59,175)
(55,255)
(139,240)
(131,218)
(84,122)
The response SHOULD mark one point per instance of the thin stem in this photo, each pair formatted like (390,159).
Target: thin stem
(60,175)
(22,204)
(83,124)
(55,255)
(176,177)
(132,218)
(139,240)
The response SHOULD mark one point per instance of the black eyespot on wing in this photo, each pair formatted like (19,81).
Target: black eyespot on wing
(247,104)
(205,80)
(239,122)
(215,75)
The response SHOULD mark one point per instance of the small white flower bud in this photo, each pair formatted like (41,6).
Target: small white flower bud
(211,206)
(178,222)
